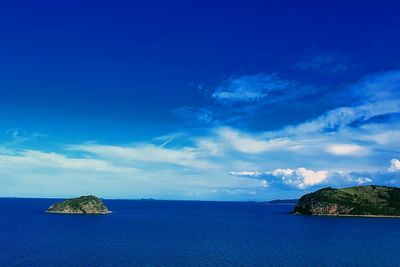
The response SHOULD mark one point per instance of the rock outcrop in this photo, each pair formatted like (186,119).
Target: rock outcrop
(80,205)
(352,201)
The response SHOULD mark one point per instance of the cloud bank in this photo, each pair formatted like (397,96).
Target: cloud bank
(352,144)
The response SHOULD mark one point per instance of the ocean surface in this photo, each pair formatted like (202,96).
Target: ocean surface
(190,233)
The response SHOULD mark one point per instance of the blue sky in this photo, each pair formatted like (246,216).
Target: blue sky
(209,100)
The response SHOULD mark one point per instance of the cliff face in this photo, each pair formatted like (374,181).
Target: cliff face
(358,200)
(80,205)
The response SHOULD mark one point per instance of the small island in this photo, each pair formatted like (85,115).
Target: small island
(79,205)
(367,201)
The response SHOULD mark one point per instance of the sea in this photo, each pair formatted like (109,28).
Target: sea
(191,233)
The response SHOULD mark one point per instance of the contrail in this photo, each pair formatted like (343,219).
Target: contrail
(167,142)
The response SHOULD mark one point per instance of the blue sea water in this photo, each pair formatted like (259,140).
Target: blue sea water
(190,233)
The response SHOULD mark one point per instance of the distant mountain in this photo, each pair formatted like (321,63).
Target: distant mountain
(282,201)
(369,200)
(80,205)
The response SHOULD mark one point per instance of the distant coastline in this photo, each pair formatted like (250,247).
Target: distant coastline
(282,201)
(275,201)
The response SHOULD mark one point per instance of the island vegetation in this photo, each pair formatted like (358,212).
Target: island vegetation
(369,200)
(80,205)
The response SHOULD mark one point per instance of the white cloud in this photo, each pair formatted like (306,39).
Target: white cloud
(235,191)
(377,95)
(264,183)
(248,88)
(194,115)
(300,177)
(241,94)
(346,149)
(341,178)
(343,116)
(247,174)
(21,136)
(209,147)
(384,137)
(249,144)
(378,87)
(394,165)
(187,157)
(32,173)
(65,174)
(187,162)
(39,159)
(361,180)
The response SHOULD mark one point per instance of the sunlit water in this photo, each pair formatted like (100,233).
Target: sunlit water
(185,233)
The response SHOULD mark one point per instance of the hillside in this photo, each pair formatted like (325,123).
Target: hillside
(359,200)
(80,205)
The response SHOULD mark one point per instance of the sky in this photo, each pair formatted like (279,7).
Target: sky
(198,100)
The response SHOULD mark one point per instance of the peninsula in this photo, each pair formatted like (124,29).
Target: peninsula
(368,201)
(80,205)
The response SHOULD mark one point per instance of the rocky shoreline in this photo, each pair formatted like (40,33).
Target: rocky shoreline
(349,215)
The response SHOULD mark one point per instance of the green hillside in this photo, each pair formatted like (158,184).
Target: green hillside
(80,205)
(358,200)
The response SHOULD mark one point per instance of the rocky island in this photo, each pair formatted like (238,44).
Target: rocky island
(369,201)
(79,205)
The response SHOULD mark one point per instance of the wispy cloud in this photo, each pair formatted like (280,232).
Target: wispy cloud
(344,145)
(378,87)
(248,88)
(238,100)
(193,115)
(250,144)
(332,120)
(19,136)
(254,174)
(115,171)
(347,149)
(186,157)
(30,159)
(254,88)
(325,62)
